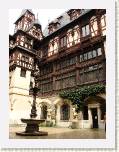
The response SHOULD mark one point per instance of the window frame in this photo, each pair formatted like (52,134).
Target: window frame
(63,40)
(85,33)
(23,74)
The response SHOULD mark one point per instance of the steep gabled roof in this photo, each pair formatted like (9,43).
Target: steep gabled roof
(34,23)
(63,20)
(23,13)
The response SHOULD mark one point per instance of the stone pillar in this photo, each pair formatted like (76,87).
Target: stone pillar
(58,114)
(90,117)
(71,113)
(41,112)
(75,122)
(80,117)
(49,114)
(99,115)
(49,121)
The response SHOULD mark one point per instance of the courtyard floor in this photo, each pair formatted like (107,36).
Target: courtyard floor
(60,133)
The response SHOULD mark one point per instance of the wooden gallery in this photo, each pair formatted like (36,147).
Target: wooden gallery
(71,68)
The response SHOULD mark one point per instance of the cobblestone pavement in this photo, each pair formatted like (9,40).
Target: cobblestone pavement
(60,133)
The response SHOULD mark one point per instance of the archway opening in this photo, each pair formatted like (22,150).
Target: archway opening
(44,112)
(65,112)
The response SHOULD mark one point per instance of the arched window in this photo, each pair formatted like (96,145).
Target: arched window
(65,112)
(44,112)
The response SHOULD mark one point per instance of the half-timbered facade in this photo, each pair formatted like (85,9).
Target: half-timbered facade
(72,52)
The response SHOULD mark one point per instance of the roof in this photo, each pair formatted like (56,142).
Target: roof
(23,13)
(63,20)
(36,22)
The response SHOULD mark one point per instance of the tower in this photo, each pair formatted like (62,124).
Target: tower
(21,59)
(24,20)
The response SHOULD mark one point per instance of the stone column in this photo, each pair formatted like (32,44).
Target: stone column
(41,112)
(99,115)
(49,121)
(49,114)
(58,114)
(80,116)
(90,117)
(75,122)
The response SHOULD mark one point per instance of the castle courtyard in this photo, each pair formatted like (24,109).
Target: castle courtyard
(60,133)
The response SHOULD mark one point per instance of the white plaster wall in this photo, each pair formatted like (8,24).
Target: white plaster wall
(20,106)
(19,84)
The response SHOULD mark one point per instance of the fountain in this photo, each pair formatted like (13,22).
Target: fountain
(32,124)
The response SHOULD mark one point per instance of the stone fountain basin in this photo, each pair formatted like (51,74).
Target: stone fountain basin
(32,121)
(32,127)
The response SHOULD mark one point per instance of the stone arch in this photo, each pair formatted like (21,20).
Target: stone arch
(43,111)
(96,110)
(45,104)
(57,101)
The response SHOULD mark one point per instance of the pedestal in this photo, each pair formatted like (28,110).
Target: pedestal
(32,128)
(75,125)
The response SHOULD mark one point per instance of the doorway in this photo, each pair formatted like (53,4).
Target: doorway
(94,117)
(44,112)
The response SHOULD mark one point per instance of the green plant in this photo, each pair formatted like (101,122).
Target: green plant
(78,96)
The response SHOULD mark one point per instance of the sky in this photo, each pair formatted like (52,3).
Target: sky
(44,16)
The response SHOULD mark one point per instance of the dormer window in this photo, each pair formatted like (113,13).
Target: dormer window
(74,13)
(53,26)
(51,29)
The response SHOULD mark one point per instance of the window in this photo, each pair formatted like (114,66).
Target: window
(31,84)
(51,29)
(65,63)
(85,113)
(91,73)
(94,53)
(89,55)
(64,112)
(25,58)
(63,42)
(103,24)
(44,112)
(53,46)
(81,58)
(85,30)
(23,73)
(85,56)
(74,15)
(99,52)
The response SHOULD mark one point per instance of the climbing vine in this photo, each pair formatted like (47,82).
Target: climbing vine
(78,96)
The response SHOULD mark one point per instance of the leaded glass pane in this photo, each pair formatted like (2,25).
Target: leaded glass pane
(99,52)
(94,53)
